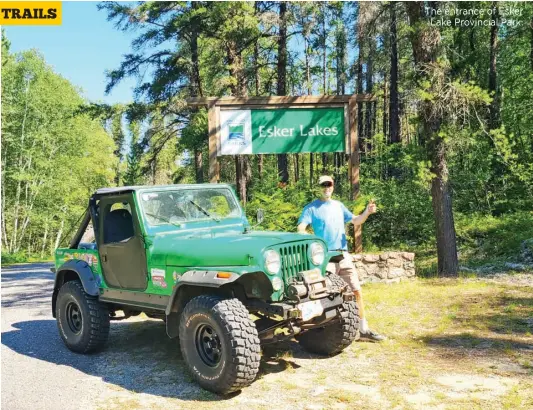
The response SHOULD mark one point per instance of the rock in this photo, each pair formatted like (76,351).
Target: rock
(384,256)
(394,255)
(357,257)
(317,391)
(381,274)
(395,263)
(395,280)
(410,273)
(370,258)
(409,256)
(395,273)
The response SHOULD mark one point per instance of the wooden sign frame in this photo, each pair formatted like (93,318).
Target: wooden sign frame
(348,102)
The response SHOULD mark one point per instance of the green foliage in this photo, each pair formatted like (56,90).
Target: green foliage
(18,257)
(51,149)
(485,238)
(53,156)
(282,205)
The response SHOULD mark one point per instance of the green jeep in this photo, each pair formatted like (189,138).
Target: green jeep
(186,254)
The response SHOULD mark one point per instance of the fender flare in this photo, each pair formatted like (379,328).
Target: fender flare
(192,278)
(85,275)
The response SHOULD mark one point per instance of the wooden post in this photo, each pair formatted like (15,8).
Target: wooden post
(353,168)
(212,124)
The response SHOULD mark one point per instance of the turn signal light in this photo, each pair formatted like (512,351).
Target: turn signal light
(223,275)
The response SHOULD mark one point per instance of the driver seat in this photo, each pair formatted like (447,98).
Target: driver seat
(118,226)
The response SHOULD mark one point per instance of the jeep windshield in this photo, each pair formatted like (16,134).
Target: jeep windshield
(174,207)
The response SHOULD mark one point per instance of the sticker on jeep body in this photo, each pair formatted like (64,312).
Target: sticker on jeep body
(158,278)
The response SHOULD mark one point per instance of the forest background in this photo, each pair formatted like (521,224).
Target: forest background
(446,147)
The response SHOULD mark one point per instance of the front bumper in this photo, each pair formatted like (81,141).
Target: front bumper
(319,293)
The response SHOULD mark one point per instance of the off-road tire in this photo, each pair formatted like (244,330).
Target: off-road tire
(333,339)
(82,320)
(237,337)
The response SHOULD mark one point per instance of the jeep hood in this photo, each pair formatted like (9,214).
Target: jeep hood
(217,249)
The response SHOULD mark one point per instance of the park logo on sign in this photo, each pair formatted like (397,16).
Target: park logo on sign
(235,132)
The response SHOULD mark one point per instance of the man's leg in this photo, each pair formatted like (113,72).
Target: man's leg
(347,272)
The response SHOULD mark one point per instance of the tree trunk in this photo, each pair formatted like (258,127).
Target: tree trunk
(44,240)
(308,66)
(325,53)
(425,40)
(283,167)
(239,90)
(311,169)
(257,89)
(531,39)
(448,264)
(385,119)
(196,90)
(198,166)
(394,110)
(494,109)
(340,43)
(369,118)
(360,118)
(256,57)
(58,236)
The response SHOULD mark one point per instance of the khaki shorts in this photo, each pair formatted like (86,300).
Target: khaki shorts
(346,270)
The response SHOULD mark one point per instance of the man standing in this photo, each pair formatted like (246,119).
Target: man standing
(328,218)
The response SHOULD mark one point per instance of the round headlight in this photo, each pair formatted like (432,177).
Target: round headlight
(317,253)
(277,283)
(272,261)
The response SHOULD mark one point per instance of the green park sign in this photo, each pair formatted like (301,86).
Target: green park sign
(282,130)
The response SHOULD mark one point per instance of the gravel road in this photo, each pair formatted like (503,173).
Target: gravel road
(141,368)
(140,365)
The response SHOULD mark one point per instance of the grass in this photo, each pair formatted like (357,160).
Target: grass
(452,344)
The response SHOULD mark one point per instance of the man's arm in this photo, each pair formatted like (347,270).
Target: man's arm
(361,219)
(302,228)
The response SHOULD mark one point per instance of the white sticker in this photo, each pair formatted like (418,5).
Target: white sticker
(158,273)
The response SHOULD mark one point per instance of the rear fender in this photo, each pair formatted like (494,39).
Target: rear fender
(75,269)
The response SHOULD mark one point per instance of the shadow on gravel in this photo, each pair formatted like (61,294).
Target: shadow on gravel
(31,288)
(28,270)
(139,357)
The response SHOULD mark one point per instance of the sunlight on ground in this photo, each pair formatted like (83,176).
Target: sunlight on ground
(453,344)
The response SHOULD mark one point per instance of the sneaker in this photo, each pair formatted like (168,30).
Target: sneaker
(372,336)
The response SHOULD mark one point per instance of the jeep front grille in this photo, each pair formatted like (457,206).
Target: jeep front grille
(294,259)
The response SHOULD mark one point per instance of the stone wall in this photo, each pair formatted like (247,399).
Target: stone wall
(388,267)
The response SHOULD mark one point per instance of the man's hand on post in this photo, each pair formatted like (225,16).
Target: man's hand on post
(371,208)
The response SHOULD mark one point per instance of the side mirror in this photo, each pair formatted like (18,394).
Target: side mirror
(260,216)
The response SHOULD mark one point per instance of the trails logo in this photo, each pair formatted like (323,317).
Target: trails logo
(31,13)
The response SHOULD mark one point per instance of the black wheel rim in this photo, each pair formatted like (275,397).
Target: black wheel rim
(208,345)
(74,318)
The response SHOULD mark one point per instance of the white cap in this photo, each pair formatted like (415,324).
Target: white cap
(325,178)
